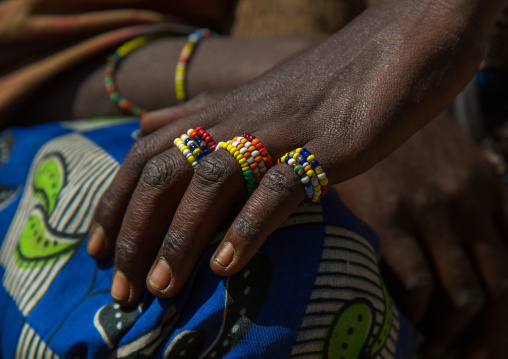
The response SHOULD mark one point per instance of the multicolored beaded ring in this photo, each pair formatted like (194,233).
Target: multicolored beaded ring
(193,146)
(183,60)
(310,171)
(254,153)
(242,161)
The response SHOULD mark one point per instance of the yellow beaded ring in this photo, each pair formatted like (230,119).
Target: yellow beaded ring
(242,161)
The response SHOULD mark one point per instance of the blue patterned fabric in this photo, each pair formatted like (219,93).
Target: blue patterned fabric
(312,291)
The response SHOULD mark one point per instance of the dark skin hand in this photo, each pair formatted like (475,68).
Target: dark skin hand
(336,99)
(435,204)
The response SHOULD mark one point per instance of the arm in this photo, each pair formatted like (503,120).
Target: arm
(351,100)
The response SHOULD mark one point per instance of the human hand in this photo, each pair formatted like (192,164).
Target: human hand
(437,207)
(344,111)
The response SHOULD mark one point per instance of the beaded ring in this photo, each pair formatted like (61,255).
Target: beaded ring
(114,60)
(183,60)
(310,171)
(193,146)
(242,161)
(267,159)
(206,137)
(254,153)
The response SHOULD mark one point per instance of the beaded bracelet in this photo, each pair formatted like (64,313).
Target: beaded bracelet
(114,60)
(183,60)
(242,161)
(310,171)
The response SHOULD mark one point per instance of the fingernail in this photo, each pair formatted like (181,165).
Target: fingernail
(120,289)
(161,275)
(225,255)
(95,242)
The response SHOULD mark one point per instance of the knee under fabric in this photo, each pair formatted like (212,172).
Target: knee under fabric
(312,291)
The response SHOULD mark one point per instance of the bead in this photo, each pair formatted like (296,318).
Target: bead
(318,169)
(309,173)
(305,179)
(314,181)
(323,182)
(321,176)
(259,146)
(308,189)
(255,154)
(259,159)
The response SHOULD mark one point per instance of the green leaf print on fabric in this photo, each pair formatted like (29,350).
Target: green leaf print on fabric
(48,181)
(350,330)
(37,246)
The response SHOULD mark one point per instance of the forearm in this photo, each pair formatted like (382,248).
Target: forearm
(147,76)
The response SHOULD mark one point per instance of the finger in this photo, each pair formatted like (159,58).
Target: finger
(407,272)
(461,295)
(147,218)
(491,256)
(154,120)
(216,187)
(279,193)
(490,253)
(110,211)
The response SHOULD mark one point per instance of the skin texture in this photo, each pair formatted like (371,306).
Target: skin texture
(80,93)
(339,95)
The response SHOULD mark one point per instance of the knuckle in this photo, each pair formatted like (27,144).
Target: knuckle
(157,172)
(175,243)
(280,179)
(212,171)
(127,249)
(421,284)
(468,301)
